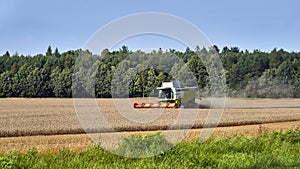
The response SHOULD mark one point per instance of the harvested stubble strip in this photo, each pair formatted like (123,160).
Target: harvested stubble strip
(18,133)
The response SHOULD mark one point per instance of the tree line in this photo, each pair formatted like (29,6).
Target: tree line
(248,74)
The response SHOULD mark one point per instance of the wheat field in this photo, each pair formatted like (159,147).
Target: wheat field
(56,121)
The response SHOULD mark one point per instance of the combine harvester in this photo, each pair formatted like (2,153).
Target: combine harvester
(172,95)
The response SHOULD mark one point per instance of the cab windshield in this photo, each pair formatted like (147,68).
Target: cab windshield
(165,94)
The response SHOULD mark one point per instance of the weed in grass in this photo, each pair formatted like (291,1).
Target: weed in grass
(143,146)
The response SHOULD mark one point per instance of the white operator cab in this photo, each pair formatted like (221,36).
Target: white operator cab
(169,90)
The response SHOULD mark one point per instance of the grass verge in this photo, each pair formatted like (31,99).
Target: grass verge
(275,150)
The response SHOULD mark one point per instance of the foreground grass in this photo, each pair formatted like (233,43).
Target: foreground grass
(276,150)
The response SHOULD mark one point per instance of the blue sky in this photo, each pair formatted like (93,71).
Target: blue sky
(29,27)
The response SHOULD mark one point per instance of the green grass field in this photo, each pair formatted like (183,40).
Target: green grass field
(276,150)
